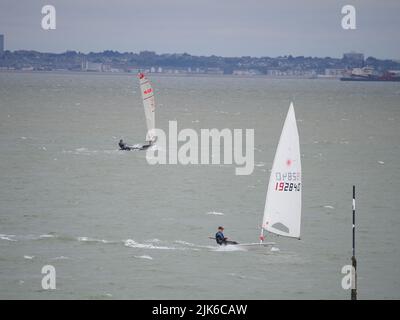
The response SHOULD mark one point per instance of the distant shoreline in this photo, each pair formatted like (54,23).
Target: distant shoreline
(182,75)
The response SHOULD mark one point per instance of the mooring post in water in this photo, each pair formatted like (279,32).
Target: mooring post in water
(353,258)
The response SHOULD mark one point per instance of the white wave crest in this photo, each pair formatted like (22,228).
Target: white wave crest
(215,213)
(44,236)
(87,239)
(133,244)
(7,237)
(144,257)
(60,258)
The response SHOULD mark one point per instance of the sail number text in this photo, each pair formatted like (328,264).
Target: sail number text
(288,181)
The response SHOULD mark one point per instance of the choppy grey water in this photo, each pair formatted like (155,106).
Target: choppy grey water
(115,227)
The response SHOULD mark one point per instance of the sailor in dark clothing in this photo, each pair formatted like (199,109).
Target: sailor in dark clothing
(221,239)
(123,146)
(219,236)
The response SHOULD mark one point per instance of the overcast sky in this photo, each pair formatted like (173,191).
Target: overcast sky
(205,27)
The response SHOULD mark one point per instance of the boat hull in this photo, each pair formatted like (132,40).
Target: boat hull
(370,79)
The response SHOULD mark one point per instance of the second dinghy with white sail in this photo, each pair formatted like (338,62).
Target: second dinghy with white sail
(149,111)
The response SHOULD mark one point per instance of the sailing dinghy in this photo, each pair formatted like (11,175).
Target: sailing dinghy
(282,212)
(149,111)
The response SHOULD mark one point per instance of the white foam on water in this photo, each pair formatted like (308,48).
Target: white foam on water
(87,239)
(192,246)
(133,244)
(185,243)
(83,151)
(29,257)
(237,275)
(229,248)
(153,240)
(87,152)
(44,236)
(144,257)
(275,249)
(7,237)
(215,213)
(60,258)
(381,162)
(329,207)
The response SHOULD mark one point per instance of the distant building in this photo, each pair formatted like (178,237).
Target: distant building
(92,66)
(246,72)
(106,67)
(354,59)
(215,71)
(334,72)
(1,43)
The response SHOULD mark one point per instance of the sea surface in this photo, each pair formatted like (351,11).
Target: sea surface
(115,227)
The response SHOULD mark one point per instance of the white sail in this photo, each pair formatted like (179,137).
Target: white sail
(282,213)
(149,106)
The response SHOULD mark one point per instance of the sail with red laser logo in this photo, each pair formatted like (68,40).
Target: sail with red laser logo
(149,106)
(282,213)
